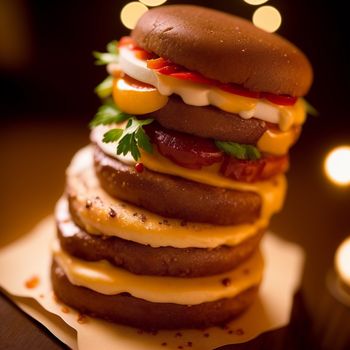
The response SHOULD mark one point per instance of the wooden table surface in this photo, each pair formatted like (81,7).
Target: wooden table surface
(35,152)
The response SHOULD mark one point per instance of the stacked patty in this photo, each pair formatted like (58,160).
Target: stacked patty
(163,213)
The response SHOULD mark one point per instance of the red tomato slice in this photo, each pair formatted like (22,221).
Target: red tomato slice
(164,66)
(139,52)
(195,77)
(127,41)
(254,170)
(158,63)
(143,55)
(283,100)
(188,151)
(169,70)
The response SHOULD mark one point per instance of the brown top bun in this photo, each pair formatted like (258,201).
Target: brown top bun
(224,47)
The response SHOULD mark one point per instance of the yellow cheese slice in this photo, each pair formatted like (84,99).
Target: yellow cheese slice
(277,142)
(137,98)
(141,226)
(104,278)
(272,191)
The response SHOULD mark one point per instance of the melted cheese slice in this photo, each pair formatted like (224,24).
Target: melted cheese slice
(150,229)
(137,98)
(203,95)
(139,225)
(106,279)
(272,191)
(277,142)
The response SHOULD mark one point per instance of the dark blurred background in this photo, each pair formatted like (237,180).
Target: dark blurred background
(47,77)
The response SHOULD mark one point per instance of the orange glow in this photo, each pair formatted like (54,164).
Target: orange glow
(153,2)
(255,2)
(131,13)
(342,262)
(337,165)
(267,18)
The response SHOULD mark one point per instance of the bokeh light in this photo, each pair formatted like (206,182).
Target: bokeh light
(267,18)
(154,2)
(131,13)
(337,165)
(342,261)
(255,2)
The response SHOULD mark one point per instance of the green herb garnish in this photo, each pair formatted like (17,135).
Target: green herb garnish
(111,56)
(107,114)
(104,89)
(239,151)
(131,138)
(310,109)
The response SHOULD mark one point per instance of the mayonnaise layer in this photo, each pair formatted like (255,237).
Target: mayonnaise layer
(139,225)
(203,95)
(271,191)
(106,279)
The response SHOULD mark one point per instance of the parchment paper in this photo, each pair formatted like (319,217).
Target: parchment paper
(24,276)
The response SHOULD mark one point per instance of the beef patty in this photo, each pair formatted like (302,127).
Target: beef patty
(175,197)
(126,309)
(146,260)
(209,122)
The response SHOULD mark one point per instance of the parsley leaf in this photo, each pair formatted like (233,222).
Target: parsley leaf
(143,140)
(109,113)
(239,151)
(112,135)
(131,139)
(252,152)
(112,54)
(112,47)
(310,109)
(104,89)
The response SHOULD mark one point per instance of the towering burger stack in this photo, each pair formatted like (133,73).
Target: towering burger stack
(163,213)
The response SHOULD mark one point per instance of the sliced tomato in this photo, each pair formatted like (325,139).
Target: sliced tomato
(283,100)
(188,151)
(254,170)
(170,70)
(127,41)
(144,55)
(195,77)
(158,63)
(139,52)
(165,66)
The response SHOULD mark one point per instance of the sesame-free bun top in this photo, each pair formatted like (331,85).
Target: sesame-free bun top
(224,47)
